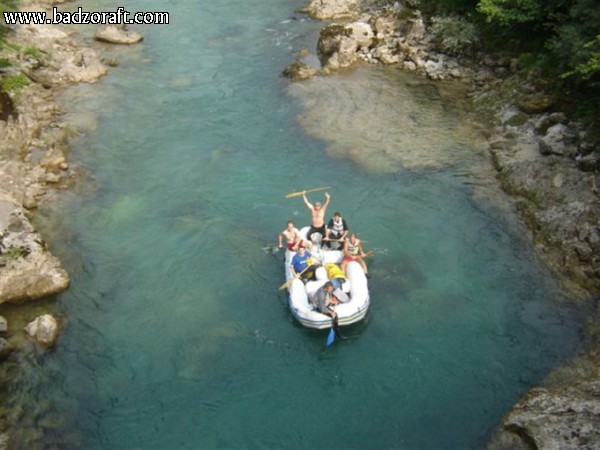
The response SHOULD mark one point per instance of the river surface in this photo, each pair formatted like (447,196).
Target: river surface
(176,335)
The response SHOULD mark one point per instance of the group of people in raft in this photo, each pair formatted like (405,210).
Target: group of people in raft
(334,235)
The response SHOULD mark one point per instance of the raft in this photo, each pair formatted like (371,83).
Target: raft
(356,287)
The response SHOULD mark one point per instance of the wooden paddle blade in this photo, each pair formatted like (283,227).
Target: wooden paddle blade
(296,194)
(369,253)
(287,284)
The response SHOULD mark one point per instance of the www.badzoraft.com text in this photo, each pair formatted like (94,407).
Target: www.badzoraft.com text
(80,17)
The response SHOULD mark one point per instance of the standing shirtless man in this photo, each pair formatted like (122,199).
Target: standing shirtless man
(317,215)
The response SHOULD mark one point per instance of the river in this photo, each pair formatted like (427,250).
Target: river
(177,336)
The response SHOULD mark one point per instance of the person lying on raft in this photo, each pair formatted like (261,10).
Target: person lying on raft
(353,251)
(304,265)
(292,236)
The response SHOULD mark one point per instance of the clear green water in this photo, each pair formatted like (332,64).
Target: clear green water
(177,336)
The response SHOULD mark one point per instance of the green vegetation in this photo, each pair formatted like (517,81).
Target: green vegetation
(454,34)
(6,6)
(33,51)
(4,63)
(12,253)
(14,82)
(559,39)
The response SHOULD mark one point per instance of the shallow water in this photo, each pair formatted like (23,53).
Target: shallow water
(177,336)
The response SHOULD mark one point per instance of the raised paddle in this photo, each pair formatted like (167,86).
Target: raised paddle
(296,194)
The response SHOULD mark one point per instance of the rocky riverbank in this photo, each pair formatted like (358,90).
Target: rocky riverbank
(37,63)
(544,161)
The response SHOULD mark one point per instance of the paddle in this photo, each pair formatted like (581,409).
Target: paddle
(330,337)
(289,282)
(334,331)
(296,194)
(369,254)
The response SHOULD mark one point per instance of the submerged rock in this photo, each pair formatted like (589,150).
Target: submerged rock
(299,71)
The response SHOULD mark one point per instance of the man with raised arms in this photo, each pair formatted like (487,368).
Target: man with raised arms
(317,215)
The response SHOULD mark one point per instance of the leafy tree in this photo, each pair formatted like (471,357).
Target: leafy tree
(507,12)
(576,44)
(454,34)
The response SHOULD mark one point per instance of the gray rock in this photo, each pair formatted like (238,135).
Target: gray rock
(117,34)
(299,71)
(537,105)
(588,163)
(333,9)
(44,330)
(558,141)
(3,325)
(564,417)
(27,269)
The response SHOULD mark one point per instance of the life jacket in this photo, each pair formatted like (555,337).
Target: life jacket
(334,271)
(338,227)
(354,249)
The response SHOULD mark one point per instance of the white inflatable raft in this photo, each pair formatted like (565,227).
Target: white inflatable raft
(356,287)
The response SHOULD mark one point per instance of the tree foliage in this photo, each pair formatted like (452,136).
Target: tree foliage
(506,12)
(454,34)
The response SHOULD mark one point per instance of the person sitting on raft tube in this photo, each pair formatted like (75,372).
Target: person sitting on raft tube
(302,264)
(353,251)
(292,236)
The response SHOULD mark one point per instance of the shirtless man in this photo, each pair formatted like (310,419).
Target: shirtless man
(317,215)
(292,236)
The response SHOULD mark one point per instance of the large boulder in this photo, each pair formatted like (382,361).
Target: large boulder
(117,34)
(334,9)
(44,330)
(27,269)
(558,140)
(563,417)
(299,71)
(338,44)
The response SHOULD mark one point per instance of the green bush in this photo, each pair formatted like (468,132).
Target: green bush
(4,63)
(454,34)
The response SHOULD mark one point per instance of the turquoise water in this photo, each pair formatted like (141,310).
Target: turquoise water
(177,336)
